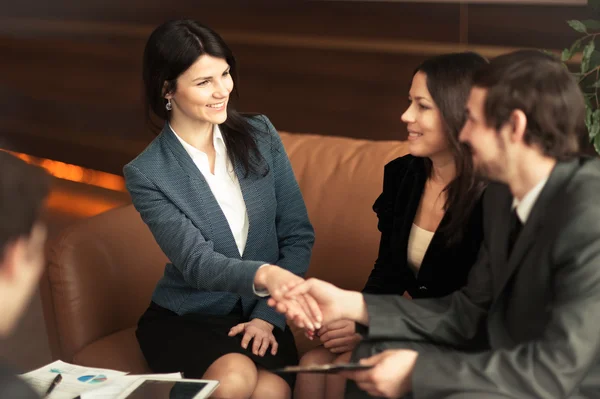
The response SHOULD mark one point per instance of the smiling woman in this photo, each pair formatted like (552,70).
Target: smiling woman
(429,211)
(219,195)
(201,97)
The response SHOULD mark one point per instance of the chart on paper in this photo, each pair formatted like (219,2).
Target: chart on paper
(76,380)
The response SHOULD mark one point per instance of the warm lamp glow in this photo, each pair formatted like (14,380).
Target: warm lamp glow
(76,173)
(78,204)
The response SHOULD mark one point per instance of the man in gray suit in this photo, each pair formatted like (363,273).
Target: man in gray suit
(23,189)
(525,326)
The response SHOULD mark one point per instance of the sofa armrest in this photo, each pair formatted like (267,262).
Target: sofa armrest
(101,273)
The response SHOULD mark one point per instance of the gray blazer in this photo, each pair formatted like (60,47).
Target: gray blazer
(206,274)
(538,307)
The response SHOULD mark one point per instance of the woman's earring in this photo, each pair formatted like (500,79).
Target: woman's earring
(168,105)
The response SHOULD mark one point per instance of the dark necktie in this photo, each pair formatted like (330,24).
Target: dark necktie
(515,229)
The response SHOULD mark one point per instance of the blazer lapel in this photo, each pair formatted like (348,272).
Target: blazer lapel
(498,233)
(560,175)
(184,159)
(410,190)
(254,205)
(200,189)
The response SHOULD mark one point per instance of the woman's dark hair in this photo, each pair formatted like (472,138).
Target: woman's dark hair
(449,79)
(171,49)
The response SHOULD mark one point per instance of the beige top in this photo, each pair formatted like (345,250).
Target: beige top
(418,242)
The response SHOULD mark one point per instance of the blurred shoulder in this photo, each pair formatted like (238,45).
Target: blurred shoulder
(11,386)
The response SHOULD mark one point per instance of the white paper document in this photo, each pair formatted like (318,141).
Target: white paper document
(85,382)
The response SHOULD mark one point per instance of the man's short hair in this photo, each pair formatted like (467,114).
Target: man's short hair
(23,189)
(541,86)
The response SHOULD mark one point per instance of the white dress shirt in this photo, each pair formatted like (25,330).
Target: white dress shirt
(525,205)
(224,185)
(226,189)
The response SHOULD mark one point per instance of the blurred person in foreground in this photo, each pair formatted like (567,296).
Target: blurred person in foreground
(534,294)
(23,190)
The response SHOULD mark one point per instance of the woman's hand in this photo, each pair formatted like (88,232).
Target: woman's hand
(261,334)
(339,336)
(331,302)
(303,308)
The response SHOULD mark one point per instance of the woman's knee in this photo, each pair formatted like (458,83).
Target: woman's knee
(343,358)
(271,386)
(318,355)
(336,385)
(236,373)
(312,385)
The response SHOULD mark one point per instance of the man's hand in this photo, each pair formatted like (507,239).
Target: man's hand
(339,336)
(333,303)
(391,375)
(261,334)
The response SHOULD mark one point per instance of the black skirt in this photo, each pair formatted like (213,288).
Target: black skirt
(191,343)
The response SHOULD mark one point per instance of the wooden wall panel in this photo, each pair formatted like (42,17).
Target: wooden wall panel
(70,73)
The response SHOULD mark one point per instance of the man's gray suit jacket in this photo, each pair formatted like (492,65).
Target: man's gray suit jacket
(538,307)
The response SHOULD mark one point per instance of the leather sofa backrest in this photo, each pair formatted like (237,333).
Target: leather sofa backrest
(102,270)
(340,179)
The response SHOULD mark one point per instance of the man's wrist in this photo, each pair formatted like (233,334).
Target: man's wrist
(355,308)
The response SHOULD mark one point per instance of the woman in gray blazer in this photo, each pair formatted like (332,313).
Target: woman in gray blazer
(217,190)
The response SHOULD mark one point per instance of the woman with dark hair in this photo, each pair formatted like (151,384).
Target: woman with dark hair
(429,212)
(219,195)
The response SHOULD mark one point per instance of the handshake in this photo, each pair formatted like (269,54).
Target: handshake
(309,304)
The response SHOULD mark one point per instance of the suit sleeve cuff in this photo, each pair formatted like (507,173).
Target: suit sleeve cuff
(381,310)
(262,292)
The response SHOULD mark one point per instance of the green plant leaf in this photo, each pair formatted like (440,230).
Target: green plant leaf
(587,55)
(577,25)
(591,24)
(596,142)
(594,59)
(588,117)
(567,54)
(595,85)
(594,129)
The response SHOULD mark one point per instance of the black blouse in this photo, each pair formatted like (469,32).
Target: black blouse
(445,266)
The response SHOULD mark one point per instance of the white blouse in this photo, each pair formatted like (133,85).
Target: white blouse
(418,242)
(224,185)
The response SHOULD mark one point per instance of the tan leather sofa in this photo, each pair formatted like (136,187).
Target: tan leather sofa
(102,270)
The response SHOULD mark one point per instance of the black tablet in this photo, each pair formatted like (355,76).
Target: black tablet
(322,368)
